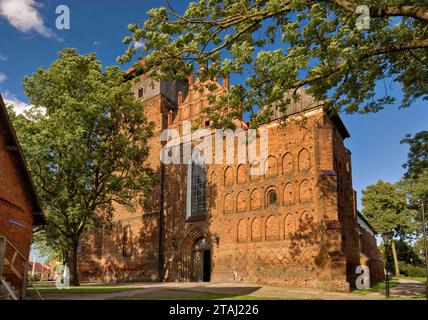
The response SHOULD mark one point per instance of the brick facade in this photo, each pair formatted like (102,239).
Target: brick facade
(19,205)
(294,225)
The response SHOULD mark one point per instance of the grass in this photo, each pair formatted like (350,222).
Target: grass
(420,279)
(376,287)
(51,290)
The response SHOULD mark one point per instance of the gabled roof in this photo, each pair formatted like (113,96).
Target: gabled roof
(337,120)
(304,103)
(15,147)
(39,267)
(134,70)
(366,222)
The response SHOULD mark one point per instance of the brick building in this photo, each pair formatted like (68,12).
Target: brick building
(293,225)
(370,255)
(20,208)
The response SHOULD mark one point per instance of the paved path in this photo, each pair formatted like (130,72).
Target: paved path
(177,290)
(408,288)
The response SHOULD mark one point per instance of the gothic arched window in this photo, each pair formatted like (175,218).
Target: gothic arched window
(272,198)
(196,185)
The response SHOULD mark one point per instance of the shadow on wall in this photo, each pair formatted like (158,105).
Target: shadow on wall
(300,259)
(130,250)
(188,241)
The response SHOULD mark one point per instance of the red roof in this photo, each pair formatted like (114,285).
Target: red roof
(134,67)
(38,267)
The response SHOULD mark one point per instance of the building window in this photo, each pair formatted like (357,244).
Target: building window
(127,241)
(196,185)
(272,198)
(140,93)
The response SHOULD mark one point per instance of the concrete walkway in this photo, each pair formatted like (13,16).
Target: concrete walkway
(408,288)
(179,290)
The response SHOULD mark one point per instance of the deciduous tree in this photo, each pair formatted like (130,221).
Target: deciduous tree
(85,141)
(417,157)
(386,207)
(282,45)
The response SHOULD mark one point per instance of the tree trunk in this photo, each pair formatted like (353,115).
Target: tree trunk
(72,265)
(394,254)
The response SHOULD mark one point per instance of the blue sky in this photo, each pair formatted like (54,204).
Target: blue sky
(30,40)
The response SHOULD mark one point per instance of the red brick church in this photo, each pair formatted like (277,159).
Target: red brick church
(294,225)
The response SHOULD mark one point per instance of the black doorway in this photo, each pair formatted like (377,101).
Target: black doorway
(207,266)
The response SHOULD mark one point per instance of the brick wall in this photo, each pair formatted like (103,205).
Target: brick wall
(16,206)
(369,253)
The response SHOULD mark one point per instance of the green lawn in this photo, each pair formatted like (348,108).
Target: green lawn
(376,287)
(420,279)
(51,290)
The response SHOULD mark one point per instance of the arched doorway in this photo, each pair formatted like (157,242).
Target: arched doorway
(201,261)
(196,257)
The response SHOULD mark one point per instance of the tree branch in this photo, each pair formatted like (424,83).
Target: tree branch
(414,11)
(417,44)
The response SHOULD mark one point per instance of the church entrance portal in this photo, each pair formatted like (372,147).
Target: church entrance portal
(196,258)
(201,261)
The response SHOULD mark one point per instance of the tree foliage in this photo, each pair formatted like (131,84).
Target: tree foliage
(417,158)
(407,253)
(85,141)
(283,45)
(419,248)
(415,180)
(386,207)
(416,188)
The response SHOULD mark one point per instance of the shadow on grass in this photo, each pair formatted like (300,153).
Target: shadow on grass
(202,296)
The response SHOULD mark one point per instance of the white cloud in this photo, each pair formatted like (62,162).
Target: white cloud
(18,106)
(2,77)
(3,57)
(24,16)
(138,45)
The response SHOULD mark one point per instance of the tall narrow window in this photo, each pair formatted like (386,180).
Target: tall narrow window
(127,241)
(196,185)
(140,93)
